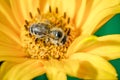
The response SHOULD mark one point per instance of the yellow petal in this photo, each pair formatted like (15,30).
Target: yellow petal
(25,71)
(106,46)
(82,11)
(21,8)
(69,7)
(55,71)
(88,66)
(7,39)
(6,52)
(63,6)
(113,37)
(5,30)
(16,10)
(7,17)
(93,13)
(80,43)
(5,67)
(43,4)
(10,46)
(13,59)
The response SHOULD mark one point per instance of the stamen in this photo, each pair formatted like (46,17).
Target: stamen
(26,28)
(26,22)
(30,35)
(30,15)
(68,20)
(56,10)
(50,9)
(38,10)
(64,14)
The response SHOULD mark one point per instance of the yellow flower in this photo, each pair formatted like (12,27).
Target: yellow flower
(67,45)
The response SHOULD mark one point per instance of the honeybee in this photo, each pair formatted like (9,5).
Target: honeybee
(39,30)
(55,35)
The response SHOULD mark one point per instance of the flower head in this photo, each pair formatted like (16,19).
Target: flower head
(56,38)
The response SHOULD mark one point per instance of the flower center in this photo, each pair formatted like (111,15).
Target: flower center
(47,35)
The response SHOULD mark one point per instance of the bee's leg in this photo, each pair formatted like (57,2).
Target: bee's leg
(67,31)
(64,39)
(47,40)
(40,36)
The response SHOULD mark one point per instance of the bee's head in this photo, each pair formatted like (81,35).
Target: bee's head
(56,33)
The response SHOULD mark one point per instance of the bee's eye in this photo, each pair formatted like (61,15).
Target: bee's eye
(57,34)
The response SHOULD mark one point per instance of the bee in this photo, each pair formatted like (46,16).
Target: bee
(42,30)
(39,29)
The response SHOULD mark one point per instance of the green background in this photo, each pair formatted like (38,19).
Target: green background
(111,27)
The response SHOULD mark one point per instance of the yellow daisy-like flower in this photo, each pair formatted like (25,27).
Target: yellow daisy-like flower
(56,37)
